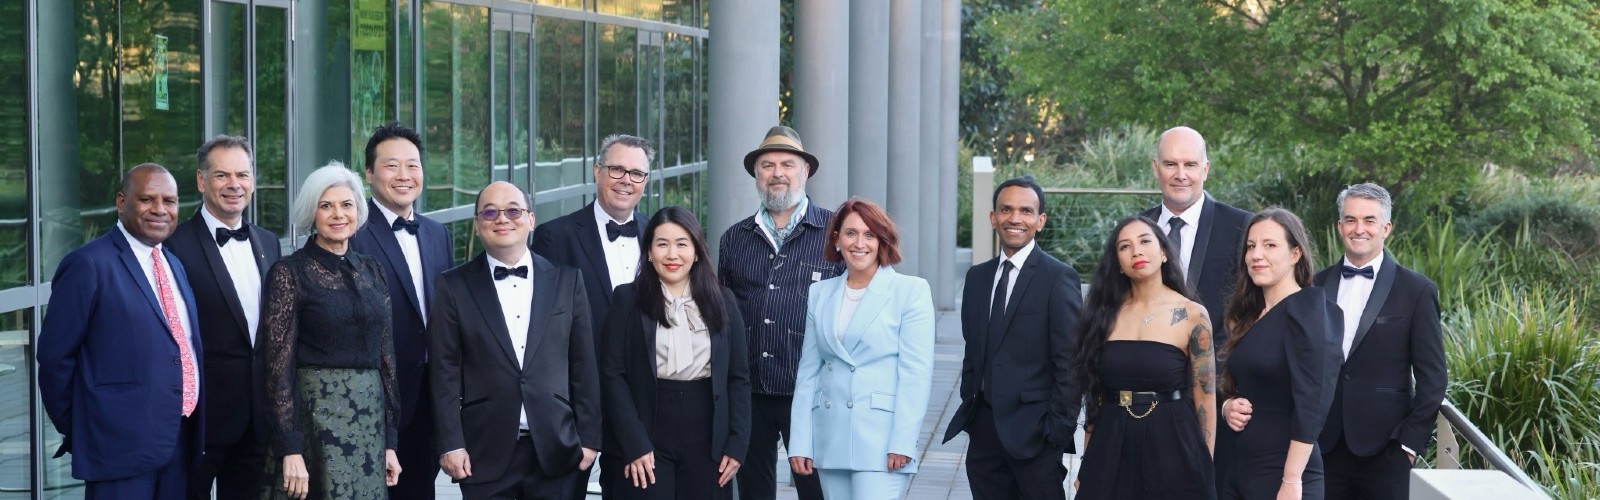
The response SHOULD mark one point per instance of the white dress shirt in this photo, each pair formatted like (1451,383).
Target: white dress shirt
(1353,294)
(516,301)
(622,255)
(239,257)
(413,252)
(1016,260)
(142,252)
(1190,231)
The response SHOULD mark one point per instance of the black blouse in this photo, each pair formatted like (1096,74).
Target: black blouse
(330,311)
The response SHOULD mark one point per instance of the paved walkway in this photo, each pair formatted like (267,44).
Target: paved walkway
(943,474)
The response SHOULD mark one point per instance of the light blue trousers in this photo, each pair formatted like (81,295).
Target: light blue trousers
(842,484)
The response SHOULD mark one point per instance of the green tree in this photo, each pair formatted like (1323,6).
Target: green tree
(1409,94)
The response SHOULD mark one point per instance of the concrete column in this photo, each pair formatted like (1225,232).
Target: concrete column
(744,104)
(905,129)
(822,94)
(930,221)
(949,106)
(869,98)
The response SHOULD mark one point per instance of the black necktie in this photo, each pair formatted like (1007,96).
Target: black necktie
(997,313)
(1351,272)
(225,234)
(409,225)
(500,272)
(1175,237)
(613,230)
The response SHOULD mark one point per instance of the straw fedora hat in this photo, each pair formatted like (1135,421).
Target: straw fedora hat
(780,138)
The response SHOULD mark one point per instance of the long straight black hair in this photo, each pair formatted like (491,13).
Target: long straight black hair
(703,284)
(1108,289)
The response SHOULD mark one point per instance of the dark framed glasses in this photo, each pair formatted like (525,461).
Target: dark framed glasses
(618,171)
(492,214)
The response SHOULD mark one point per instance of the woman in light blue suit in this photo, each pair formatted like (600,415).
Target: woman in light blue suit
(866,366)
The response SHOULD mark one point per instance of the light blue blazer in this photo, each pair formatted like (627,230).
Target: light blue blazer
(859,400)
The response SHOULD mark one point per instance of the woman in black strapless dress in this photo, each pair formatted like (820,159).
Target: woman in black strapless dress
(1282,361)
(1147,364)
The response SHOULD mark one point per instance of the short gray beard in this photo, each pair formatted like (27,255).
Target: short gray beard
(781,202)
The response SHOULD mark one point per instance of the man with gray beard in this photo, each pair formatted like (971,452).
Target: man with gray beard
(769,260)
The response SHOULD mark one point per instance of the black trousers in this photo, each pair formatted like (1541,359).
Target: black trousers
(523,480)
(758,476)
(419,464)
(682,442)
(235,467)
(994,474)
(1384,475)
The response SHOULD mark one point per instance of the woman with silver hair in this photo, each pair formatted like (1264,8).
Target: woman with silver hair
(328,354)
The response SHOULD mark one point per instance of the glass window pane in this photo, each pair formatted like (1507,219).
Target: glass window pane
(502,112)
(561,103)
(161,105)
(272,119)
(15,234)
(16,333)
(371,33)
(521,99)
(617,91)
(456,102)
(405,60)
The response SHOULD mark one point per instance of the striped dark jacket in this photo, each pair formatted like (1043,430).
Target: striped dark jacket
(770,285)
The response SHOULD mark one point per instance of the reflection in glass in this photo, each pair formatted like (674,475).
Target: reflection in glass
(79,148)
(161,93)
(15,391)
(272,119)
(561,105)
(14,228)
(455,74)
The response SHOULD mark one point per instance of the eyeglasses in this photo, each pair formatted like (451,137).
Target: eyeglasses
(617,171)
(491,214)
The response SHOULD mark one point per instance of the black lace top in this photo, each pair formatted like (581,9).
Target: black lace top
(330,311)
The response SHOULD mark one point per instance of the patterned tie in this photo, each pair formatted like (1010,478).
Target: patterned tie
(169,308)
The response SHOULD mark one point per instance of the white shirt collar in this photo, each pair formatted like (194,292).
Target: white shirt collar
(138,246)
(1021,257)
(601,217)
(213,223)
(389,216)
(526,260)
(1190,216)
(1377,264)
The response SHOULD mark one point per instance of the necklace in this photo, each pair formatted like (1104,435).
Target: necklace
(854,294)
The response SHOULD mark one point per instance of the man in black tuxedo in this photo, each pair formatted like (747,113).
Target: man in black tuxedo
(515,385)
(1394,372)
(1205,231)
(602,240)
(1019,397)
(227,259)
(414,250)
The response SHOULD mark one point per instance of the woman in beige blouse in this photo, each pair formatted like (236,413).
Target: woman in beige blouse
(672,373)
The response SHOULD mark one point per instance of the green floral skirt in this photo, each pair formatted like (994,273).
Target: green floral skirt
(341,417)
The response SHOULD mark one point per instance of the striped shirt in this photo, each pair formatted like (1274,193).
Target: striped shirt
(770,286)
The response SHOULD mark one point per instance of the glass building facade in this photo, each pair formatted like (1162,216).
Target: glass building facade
(511,90)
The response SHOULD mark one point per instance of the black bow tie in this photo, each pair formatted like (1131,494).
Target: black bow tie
(500,272)
(225,234)
(613,230)
(409,225)
(1351,272)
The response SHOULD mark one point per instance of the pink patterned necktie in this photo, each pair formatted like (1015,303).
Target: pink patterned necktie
(169,307)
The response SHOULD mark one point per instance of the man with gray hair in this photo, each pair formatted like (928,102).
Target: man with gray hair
(1394,375)
(227,259)
(602,240)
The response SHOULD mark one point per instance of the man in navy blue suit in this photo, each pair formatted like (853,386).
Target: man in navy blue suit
(602,240)
(119,357)
(414,250)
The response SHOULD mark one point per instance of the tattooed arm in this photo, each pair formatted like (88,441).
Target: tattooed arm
(1202,373)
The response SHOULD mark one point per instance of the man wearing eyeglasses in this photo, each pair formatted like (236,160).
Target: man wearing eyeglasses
(602,240)
(413,249)
(514,376)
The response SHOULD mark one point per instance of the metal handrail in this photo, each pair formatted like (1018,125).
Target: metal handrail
(1451,421)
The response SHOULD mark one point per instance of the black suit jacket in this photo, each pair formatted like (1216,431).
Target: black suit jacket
(376,238)
(573,240)
(230,367)
(628,381)
(1034,393)
(1395,374)
(1213,265)
(478,387)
